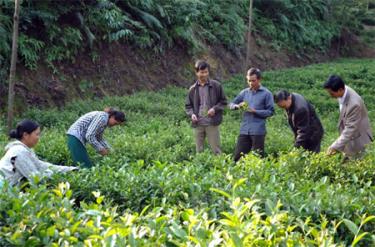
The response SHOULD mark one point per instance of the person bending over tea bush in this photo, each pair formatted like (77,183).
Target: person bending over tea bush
(90,128)
(303,120)
(20,162)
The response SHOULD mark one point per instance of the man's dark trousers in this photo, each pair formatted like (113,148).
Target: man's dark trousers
(247,143)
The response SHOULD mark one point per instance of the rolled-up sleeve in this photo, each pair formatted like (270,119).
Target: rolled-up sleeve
(94,134)
(238,99)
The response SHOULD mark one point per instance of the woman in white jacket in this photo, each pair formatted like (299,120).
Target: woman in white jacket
(20,162)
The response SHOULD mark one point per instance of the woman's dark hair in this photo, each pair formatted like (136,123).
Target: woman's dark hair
(281,95)
(201,65)
(118,115)
(255,71)
(25,126)
(334,83)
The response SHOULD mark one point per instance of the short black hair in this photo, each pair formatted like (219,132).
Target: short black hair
(25,126)
(334,83)
(281,95)
(201,65)
(255,71)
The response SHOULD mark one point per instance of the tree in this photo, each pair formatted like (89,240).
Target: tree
(248,49)
(13,63)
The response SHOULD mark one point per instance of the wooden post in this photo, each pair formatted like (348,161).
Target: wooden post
(13,63)
(248,49)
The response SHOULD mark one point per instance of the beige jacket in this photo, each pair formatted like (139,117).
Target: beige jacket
(354,125)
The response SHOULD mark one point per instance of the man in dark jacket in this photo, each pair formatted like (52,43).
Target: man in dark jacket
(307,128)
(204,105)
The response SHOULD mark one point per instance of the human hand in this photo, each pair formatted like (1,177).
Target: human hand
(104,152)
(243,105)
(194,118)
(252,110)
(331,151)
(211,112)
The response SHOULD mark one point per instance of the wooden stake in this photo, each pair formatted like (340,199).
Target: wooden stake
(13,63)
(248,50)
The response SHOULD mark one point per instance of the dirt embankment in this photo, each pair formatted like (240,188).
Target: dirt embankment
(120,69)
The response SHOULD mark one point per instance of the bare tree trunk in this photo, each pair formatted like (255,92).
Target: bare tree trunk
(13,63)
(248,50)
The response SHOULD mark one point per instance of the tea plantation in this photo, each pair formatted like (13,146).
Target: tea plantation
(153,190)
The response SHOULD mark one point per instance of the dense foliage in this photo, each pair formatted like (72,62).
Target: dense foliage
(152,190)
(53,31)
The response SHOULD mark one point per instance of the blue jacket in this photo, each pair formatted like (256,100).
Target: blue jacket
(262,101)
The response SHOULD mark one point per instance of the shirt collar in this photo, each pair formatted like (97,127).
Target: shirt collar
(207,83)
(261,88)
(17,143)
(291,108)
(341,99)
(106,118)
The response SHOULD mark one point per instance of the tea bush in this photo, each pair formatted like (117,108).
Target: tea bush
(153,190)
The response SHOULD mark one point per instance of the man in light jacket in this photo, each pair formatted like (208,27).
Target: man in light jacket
(354,124)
